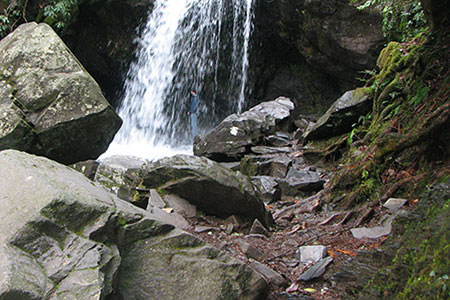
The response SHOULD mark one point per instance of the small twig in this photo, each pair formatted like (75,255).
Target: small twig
(365,217)
(346,218)
(331,218)
(24,11)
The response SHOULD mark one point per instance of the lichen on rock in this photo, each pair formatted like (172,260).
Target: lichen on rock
(50,105)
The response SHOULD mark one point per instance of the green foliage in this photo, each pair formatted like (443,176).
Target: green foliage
(358,128)
(56,13)
(402,19)
(364,174)
(351,136)
(8,18)
(60,12)
(420,95)
(366,75)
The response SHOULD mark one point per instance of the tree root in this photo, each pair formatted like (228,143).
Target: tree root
(397,185)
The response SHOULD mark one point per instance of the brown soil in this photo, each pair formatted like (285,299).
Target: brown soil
(280,247)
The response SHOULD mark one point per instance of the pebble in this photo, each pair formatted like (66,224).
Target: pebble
(394,203)
(312,253)
(258,228)
(250,251)
(270,275)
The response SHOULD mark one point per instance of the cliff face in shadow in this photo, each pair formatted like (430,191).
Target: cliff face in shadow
(102,37)
(312,50)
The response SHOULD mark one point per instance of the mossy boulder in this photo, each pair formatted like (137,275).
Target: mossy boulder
(181,266)
(63,236)
(340,117)
(49,104)
(121,175)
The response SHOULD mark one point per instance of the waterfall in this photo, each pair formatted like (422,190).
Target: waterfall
(201,44)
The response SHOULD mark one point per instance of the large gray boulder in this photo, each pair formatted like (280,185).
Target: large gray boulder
(340,117)
(213,188)
(49,104)
(235,135)
(64,237)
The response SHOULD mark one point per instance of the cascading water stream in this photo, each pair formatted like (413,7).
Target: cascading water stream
(186,44)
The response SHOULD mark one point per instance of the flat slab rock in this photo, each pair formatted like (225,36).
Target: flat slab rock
(371,232)
(268,188)
(269,274)
(63,236)
(395,203)
(317,269)
(312,253)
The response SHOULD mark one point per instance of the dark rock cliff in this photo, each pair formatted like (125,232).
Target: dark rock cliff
(312,51)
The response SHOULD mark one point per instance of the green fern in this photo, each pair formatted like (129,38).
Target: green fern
(402,19)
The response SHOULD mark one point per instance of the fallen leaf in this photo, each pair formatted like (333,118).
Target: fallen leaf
(310,290)
(347,252)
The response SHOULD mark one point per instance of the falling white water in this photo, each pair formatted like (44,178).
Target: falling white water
(184,45)
(244,68)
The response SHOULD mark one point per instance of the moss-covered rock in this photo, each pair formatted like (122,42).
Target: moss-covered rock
(63,236)
(342,115)
(413,263)
(392,152)
(50,105)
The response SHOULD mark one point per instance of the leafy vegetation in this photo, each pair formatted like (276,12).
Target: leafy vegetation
(56,13)
(59,13)
(402,19)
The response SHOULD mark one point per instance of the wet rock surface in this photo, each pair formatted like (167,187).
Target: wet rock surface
(268,187)
(290,186)
(291,182)
(208,185)
(271,251)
